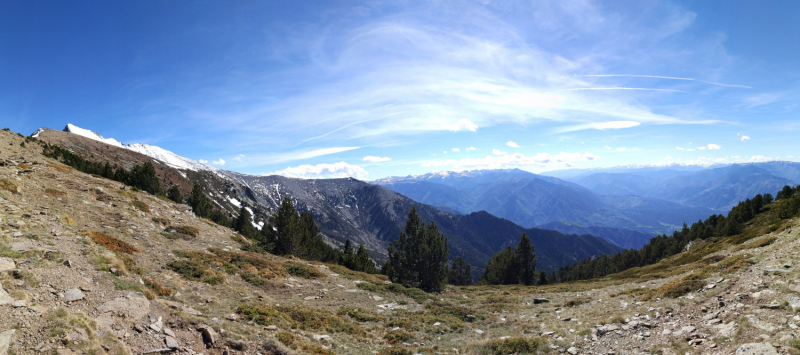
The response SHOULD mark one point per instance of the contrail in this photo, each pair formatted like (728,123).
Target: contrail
(666,77)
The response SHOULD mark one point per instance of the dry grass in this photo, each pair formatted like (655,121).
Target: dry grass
(9,186)
(67,219)
(141,206)
(54,192)
(112,243)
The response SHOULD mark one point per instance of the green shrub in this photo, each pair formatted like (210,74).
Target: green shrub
(358,313)
(514,345)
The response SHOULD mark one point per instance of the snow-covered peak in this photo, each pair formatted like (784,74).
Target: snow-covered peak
(157,153)
(92,135)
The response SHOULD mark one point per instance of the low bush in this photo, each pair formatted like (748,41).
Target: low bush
(9,186)
(54,192)
(112,243)
(358,313)
(141,206)
(513,345)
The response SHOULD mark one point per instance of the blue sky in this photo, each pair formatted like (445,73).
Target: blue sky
(375,89)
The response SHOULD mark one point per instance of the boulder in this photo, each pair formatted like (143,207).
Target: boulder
(6,338)
(171,342)
(73,295)
(756,349)
(540,300)
(7,264)
(210,337)
(134,305)
(5,298)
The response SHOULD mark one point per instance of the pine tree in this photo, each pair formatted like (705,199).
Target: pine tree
(244,223)
(514,265)
(174,194)
(526,260)
(288,225)
(362,261)
(418,258)
(460,273)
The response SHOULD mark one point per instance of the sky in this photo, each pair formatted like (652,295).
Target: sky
(371,89)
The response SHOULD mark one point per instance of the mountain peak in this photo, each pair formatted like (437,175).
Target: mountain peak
(155,152)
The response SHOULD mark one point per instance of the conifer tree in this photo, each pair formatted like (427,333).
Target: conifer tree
(513,265)
(244,223)
(174,194)
(460,273)
(419,257)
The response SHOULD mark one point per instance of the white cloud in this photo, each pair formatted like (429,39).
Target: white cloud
(219,162)
(621,149)
(744,138)
(374,159)
(203,161)
(736,156)
(498,152)
(456,149)
(701,148)
(323,171)
(713,147)
(512,144)
(512,160)
(759,159)
(464,124)
(616,124)
(679,148)
(472,148)
(239,158)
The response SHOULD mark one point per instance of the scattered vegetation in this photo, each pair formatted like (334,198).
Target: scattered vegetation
(112,243)
(9,186)
(159,289)
(54,192)
(304,318)
(358,313)
(513,345)
(141,206)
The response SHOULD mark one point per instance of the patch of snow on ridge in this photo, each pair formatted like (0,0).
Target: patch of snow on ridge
(157,153)
(38,131)
(92,135)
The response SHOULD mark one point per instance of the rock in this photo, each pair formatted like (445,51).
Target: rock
(232,317)
(710,286)
(689,246)
(756,349)
(238,345)
(169,332)
(67,263)
(566,319)
(7,264)
(191,311)
(572,351)
(478,331)
(5,340)
(377,298)
(134,305)
(5,298)
(271,328)
(771,305)
(171,342)
(688,329)
(787,265)
(794,303)
(210,337)
(157,325)
(139,328)
(540,300)
(73,295)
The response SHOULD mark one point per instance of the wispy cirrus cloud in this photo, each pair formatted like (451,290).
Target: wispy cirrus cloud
(665,77)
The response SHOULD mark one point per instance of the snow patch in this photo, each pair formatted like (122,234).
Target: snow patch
(236,203)
(157,153)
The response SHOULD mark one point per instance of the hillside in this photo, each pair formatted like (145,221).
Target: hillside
(89,266)
(373,215)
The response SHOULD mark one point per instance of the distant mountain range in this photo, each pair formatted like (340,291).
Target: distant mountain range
(534,200)
(718,188)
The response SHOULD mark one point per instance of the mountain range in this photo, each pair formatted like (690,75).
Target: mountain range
(480,211)
(343,208)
